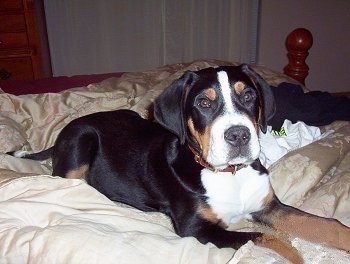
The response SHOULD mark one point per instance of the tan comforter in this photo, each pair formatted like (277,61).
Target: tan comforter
(46,219)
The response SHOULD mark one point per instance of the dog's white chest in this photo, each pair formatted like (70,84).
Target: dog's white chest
(233,197)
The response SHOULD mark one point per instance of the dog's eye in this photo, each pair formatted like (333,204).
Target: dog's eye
(248,96)
(204,103)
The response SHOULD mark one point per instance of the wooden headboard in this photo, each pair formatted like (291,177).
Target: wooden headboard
(298,43)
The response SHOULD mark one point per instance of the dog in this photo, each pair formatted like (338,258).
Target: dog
(198,162)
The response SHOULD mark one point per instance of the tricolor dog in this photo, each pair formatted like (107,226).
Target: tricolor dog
(197,163)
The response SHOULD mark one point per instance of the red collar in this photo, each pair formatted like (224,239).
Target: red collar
(230,168)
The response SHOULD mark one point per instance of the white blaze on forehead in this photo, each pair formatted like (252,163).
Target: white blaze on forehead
(225,90)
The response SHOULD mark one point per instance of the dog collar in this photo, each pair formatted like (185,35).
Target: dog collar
(230,168)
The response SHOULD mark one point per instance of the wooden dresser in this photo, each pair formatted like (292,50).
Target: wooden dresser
(24,51)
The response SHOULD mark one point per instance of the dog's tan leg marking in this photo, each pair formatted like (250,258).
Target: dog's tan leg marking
(281,247)
(315,229)
(78,173)
(208,214)
(277,241)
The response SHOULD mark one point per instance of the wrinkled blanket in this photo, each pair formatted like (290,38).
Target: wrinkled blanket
(48,219)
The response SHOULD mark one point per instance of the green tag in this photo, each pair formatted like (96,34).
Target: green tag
(280,133)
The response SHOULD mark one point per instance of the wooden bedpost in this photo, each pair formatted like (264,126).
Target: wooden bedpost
(298,43)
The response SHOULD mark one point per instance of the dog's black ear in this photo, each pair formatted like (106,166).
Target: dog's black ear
(169,106)
(266,98)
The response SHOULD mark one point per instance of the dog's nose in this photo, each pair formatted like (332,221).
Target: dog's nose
(237,135)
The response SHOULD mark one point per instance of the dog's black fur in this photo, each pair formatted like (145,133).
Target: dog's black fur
(151,166)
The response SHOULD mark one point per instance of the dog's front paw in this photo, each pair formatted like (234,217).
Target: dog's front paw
(284,249)
(344,239)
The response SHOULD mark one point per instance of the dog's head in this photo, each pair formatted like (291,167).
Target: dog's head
(218,112)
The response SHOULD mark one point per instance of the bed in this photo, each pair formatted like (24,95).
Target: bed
(48,219)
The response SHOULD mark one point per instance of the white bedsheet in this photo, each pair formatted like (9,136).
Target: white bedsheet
(43,220)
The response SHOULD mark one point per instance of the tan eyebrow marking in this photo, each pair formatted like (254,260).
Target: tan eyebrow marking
(210,93)
(239,87)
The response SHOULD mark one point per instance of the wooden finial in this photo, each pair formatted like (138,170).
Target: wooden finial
(298,43)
